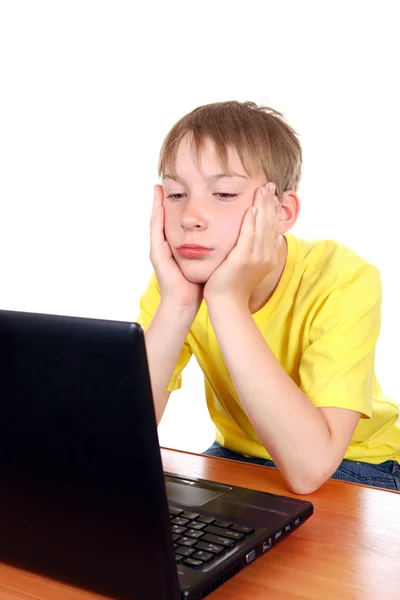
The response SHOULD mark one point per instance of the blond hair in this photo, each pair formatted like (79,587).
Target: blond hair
(259,134)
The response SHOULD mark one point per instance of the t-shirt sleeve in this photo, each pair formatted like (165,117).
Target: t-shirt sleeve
(148,305)
(337,368)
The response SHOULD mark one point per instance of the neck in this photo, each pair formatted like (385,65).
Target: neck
(263,292)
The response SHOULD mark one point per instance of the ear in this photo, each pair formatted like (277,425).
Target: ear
(288,211)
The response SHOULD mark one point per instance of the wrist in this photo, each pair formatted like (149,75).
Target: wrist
(178,312)
(224,309)
(227,303)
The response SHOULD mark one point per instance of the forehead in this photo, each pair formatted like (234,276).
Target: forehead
(206,161)
(207,154)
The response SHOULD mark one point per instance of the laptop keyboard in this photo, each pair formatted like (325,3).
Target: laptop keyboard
(199,539)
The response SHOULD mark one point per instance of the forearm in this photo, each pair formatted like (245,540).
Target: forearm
(164,339)
(289,426)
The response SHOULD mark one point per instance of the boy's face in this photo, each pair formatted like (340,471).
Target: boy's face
(204,210)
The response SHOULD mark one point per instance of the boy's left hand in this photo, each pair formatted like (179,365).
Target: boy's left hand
(254,255)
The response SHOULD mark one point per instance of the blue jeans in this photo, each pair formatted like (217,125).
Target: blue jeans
(385,475)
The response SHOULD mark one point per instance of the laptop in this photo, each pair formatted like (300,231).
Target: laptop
(83,496)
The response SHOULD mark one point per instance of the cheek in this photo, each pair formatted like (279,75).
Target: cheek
(228,233)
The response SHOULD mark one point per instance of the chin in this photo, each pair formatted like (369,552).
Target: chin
(196,279)
(197,272)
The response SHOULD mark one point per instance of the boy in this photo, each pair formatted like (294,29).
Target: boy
(283,329)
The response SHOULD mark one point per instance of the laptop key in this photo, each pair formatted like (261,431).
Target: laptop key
(208,547)
(179,521)
(189,515)
(184,551)
(174,512)
(185,541)
(175,537)
(216,539)
(194,533)
(191,562)
(178,559)
(223,524)
(177,529)
(196,525)
(243,529)
(233,535)
(204,556)
(205,519)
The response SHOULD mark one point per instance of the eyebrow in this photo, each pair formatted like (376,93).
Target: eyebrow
(215,177)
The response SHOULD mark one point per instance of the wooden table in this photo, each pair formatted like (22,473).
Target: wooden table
(349,549)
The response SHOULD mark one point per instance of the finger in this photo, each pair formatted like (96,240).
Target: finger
(157,202)
(271,203)
(157,218)
(261,221)
(158,197)
(271,220)
(245,241)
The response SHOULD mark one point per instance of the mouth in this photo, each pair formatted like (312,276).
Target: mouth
(193,251)
(194,247)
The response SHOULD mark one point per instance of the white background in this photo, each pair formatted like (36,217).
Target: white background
(90,89)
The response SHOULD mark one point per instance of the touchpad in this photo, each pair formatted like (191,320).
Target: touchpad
(192,493)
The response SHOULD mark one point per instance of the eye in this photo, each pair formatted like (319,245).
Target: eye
(221,195)
(225,196)
(175,196)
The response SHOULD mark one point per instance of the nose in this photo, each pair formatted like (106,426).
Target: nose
(193,215)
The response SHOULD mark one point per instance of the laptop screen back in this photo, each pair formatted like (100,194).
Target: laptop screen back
(82,492)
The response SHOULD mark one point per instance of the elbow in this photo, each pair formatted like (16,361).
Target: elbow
(303,488)
(305,476)
(306,483)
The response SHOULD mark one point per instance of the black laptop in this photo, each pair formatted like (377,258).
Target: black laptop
(83,497)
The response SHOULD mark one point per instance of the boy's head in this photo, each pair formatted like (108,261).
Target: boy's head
(248,144)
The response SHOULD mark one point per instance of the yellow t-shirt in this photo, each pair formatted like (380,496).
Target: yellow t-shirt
(322,323)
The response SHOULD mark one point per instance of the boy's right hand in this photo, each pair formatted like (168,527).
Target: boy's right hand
(174,287)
